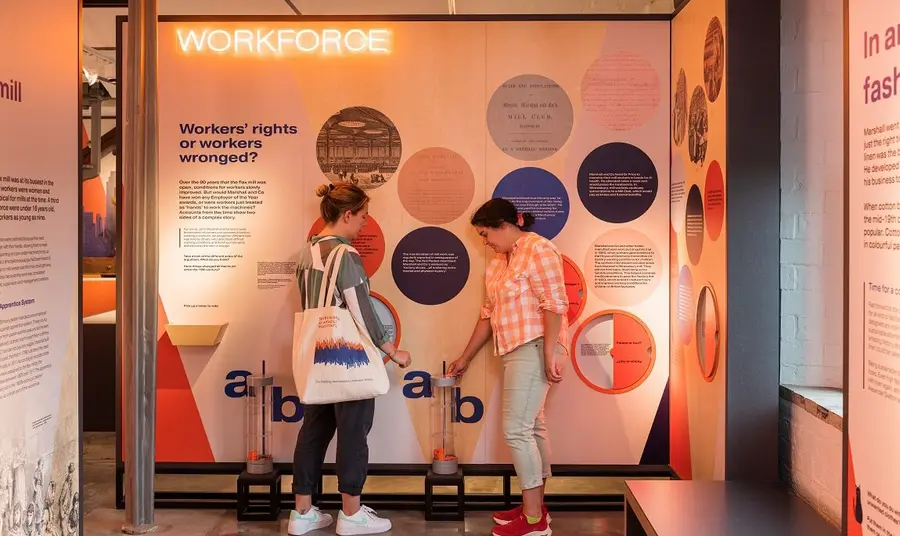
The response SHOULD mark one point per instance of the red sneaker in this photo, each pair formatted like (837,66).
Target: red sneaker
(507,517)
(521,527)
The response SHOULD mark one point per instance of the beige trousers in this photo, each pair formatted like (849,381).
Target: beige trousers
(525,388)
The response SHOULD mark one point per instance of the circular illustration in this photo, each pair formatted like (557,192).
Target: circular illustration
(575,289)
(714,197)
(613,352)
(679,109)
(430,266)
(714,59)
(678,192)
(530,117)
(693,225)
(685,305)
(625,267)
(708,333)
(617,182)
(359,145)
(539,192)
(436,185)
(620,90)
(389,319)
(369,243)
(698,127)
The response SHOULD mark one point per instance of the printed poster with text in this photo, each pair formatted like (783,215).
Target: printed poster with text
(873,383)
(39,268)
(569,120)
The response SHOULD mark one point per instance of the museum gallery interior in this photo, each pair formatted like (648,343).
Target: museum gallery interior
(149,259)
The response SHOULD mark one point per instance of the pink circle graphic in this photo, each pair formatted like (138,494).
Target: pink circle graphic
(624,267)
(620,90)
(436,185)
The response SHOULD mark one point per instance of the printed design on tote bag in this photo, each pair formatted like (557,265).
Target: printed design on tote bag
(339,352)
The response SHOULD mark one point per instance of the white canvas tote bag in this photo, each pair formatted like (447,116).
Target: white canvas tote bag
(334,359)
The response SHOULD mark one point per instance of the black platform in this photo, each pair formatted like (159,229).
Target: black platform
(704,508)
(259,506)
(442,509)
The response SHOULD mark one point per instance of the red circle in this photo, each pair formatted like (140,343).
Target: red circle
(575,289)
(394,314)
(632,322)
(714,200)
(369,244)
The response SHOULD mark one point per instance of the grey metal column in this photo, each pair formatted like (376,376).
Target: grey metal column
(140,266)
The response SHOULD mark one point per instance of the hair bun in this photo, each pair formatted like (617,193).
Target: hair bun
(323,189)
(527,220)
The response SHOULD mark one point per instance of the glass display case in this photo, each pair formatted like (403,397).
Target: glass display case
(443,425)
(259,424)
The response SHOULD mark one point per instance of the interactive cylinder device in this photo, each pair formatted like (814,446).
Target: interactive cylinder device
(443,419)
(259,424)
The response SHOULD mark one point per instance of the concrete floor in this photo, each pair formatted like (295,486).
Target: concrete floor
(102,519)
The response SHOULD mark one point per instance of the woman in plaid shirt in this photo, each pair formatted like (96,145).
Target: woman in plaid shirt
(524,308)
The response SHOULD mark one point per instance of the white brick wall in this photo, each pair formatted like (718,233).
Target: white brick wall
(812,197)
(811,459)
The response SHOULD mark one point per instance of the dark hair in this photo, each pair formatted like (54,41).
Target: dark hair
(339,198)
(498,211)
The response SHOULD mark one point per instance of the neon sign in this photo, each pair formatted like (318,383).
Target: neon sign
(285,41)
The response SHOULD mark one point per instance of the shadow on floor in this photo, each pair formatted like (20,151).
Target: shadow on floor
(102,519)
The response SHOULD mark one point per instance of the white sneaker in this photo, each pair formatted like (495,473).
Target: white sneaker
(363,522)
(313,520)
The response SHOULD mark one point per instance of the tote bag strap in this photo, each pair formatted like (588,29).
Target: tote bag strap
(315,252)
(333,262)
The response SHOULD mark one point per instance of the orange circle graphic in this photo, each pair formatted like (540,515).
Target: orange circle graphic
(628,367)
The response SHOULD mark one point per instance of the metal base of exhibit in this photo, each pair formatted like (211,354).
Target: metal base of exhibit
(394,501)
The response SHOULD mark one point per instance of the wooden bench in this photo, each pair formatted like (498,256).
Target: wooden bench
(716,508)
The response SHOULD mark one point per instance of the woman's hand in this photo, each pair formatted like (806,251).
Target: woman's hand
(402,358)
(553,368)
(458,367)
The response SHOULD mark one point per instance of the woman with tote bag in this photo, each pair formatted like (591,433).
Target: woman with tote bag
(337,367)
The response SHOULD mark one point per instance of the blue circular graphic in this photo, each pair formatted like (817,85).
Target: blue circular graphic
(539,192)
(430,266)
(617,182)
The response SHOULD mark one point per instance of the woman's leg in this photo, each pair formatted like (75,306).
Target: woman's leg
(354,421)
(524,392)
(542,438)
(315,434)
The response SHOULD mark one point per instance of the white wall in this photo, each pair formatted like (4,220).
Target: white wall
(812,193)
(812,458)
(812,243)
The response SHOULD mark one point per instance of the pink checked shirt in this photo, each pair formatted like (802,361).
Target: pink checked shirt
(519,290)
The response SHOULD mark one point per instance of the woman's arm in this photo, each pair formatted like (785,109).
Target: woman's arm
(480,336)
(354,286)
(545,275)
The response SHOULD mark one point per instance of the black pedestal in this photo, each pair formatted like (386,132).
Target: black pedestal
(259,507)
(442,509)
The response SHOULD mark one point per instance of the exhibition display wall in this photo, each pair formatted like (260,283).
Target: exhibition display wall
(40,280)
(567,118)
(872,376)
(697,271)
